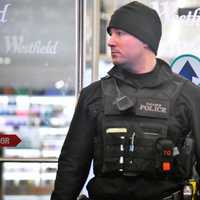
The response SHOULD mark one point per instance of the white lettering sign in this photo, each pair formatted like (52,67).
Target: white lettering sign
(168,11)
(193,19)
(3,14)
(17,45)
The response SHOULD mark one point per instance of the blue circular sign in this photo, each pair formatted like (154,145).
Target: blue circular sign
(188,66)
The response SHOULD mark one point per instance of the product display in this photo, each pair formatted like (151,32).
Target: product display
(41,122)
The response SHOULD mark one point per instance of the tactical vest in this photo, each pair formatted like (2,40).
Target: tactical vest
(134,138)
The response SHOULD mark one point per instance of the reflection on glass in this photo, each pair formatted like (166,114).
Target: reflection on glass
(37,89)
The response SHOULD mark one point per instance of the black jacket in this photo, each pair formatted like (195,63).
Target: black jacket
(77,151)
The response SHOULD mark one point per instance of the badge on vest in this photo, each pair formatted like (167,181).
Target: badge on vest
(152,108)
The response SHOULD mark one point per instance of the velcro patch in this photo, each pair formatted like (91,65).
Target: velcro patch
(157,108)
(116,130)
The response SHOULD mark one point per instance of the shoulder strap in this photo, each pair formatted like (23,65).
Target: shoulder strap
(175,92)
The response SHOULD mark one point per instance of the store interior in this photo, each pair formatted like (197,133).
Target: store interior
(41,76)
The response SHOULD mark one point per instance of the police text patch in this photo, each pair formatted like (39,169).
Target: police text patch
(152,108)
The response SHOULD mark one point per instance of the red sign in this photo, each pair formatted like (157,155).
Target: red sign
(9,140)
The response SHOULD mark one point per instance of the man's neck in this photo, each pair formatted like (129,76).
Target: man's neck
(147,65)
(144,67)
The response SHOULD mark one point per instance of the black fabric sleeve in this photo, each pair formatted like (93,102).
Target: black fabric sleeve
(192,94)
(196,125)
(76,154)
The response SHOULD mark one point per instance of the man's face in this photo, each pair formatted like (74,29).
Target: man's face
(125,48)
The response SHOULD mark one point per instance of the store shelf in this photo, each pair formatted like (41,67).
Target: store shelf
(29,160)
(21,176)
(41,100)
(53,131)
(21,153)
(25,171)
(35,176)
(26,197)
(42,123)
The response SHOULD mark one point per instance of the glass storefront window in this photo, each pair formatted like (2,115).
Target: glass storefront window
(37,90)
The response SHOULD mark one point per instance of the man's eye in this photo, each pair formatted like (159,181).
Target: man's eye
(120,33)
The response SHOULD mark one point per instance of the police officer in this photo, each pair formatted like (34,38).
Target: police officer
(136,123)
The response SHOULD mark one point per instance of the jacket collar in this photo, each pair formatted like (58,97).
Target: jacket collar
(161,74)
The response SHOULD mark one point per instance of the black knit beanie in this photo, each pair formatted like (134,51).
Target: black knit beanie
(139,20)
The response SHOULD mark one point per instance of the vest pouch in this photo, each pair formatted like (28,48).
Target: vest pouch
(164,156)
(97,155)
(115,140)
(142,160)
(185,160)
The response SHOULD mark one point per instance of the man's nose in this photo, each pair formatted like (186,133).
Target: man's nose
(111,41)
